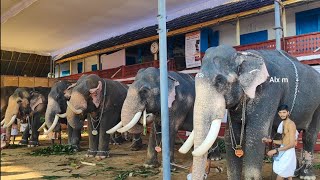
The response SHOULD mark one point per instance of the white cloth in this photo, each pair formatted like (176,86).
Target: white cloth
(14,132)
(286,165)
(280,129)
(23,127)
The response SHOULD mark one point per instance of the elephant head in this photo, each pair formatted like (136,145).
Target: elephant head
(85,96)
(226,76)
(143,97)
(57,105)
(18,103)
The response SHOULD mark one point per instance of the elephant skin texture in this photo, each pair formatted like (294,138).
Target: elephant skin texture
(57,104)
(101,101)
(144,95)
(26,102)
(227,77)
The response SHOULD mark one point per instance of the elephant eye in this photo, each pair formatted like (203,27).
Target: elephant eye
(220,82)
(19,101)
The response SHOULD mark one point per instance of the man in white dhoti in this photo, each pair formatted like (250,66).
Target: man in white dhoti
(284,163)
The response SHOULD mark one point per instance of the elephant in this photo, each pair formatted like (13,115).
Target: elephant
(23,102)
(56,108)
(244,82)
(144,96)
(101,100)
(5,94)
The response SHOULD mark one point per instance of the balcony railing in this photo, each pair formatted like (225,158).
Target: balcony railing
(122,72)
(302,45)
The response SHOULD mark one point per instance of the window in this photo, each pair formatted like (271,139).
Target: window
(130,60)
(94,67)
(65,73)
(308,21)
(254,37)
(80,65)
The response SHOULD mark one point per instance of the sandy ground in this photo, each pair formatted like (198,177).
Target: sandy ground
(18,164)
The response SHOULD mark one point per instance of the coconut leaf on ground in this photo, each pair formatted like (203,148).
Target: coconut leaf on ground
(56,149)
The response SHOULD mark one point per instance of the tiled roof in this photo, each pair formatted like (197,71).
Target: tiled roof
(20,64)
(181,22)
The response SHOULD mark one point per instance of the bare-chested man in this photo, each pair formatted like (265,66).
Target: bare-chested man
(285,164)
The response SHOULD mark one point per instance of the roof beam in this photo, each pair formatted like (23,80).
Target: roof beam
(181,30)
(16,9)
(9,62)
(25,64)
(15,67)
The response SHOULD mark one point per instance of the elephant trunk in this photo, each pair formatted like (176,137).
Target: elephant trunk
(53,108)
(11,112)
(73,119)
(76,106)
(131,109)
(209,109)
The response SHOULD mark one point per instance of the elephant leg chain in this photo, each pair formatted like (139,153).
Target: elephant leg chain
(95,131)
(238,147)
(158,146)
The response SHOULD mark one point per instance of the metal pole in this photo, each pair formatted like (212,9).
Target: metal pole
(164,89)
(277,24)
(238,32)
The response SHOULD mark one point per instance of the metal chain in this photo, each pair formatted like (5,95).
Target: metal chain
(101,109)
(243,119)
(233,139)
(297,81)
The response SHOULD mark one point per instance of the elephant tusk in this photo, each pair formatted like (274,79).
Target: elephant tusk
(2,122)
(77,111)
(209,140)
(115,128)
(55,122)
(144,121)
(10,122)
(42,126)
(133,122)
(188,144)
(45,130)
(62,115)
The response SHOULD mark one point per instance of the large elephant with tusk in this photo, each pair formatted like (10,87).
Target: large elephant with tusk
(56,112)
(142,107)
(101,100)
(24,102)
(5,94)
(245,84)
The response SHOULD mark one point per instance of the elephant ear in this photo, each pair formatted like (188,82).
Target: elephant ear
(95,93)
(67,92)
(172,90)
(252,71)
(35,101)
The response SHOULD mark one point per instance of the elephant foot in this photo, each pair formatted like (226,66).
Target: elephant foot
(214,153)
(152,163)
(136,145)
(117,140)
(76,148)
(216,158)
(306,172)
(91,153)
(102,155)
(218,169)
(33,144)
(23,142)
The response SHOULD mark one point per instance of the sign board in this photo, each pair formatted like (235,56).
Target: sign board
(192,49)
